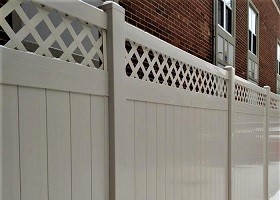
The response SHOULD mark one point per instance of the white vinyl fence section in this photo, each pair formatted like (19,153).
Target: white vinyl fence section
(274,146)
(53,114)
(248,140)
(94,108)
(174,149)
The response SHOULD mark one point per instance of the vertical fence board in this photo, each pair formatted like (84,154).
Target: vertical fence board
(160,152)
(130,155)
(169,153)
(151,150)
(9,143)
(58,137)
(208,154)
(212,157)
(80,146)
(219,154)
(106,134)
(197,151)
(33,144)
(140,151)
(202,157)
(191,136)
(98,147)
(185,153)
(178,153)
(216,156)
(224,125)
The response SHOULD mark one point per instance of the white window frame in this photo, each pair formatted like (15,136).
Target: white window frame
(252,26)
(224,16)
(254,70)
(226,55)
(253,57)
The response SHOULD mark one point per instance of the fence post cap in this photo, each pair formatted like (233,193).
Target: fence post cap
(229,68)
(107,5)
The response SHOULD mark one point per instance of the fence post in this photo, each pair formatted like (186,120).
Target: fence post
(265,144)
(116,69)
(231,87)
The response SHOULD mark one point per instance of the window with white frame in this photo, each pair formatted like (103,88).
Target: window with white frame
(225,50)
(253,70)
(252,30)
(225,14)
(225,32)
(253,60)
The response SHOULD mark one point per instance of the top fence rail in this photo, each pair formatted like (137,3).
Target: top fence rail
(80,10)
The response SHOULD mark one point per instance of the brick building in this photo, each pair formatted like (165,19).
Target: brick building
(187,26)
(268,36)
(241,33)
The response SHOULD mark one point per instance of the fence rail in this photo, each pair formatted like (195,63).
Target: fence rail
(160,122)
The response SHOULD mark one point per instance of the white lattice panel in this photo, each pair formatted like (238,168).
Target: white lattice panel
(274,103)
(149,65)
(45,31)
(246,95)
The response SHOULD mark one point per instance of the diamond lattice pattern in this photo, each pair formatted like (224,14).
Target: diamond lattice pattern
(274,104)
(45,31)
(245,95)
(149,65)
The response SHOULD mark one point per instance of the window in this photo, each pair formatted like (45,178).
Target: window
(225,51)
(225,14)
(253,70)
(252,31)
(253,60)
(225,32)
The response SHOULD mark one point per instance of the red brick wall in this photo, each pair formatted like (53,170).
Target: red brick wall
(269,31)
(186,24)
(241,50)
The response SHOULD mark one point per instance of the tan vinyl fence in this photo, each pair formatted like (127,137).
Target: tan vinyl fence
(94,108)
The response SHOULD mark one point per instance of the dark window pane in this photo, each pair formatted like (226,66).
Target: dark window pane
(228,20)
(254,44)
(250,40)
(221,13)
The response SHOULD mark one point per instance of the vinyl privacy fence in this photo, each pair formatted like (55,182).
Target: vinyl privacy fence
(94,108)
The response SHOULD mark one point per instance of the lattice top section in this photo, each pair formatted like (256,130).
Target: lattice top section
(274,103)
(249,96)
(149,65)
(33,27)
